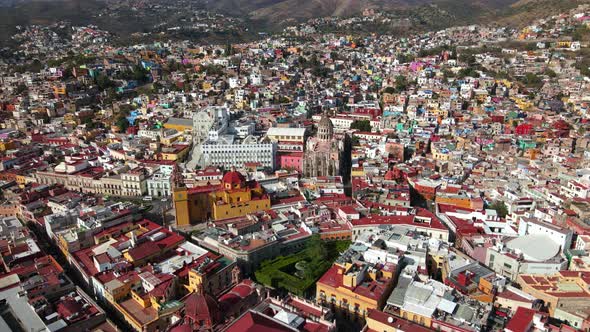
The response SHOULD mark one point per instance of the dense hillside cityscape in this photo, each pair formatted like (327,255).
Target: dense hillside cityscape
(376,169)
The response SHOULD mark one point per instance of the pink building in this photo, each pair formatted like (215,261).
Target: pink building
(291,160)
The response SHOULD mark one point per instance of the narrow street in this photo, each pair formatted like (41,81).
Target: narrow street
(51,249)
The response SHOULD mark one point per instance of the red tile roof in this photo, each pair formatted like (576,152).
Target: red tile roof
(144,250)
(521,321)
(201,307)
(398,220)
(396,322)
(253,321)
(513,296)
(372,289)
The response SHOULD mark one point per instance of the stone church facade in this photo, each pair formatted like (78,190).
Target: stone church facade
(323,152)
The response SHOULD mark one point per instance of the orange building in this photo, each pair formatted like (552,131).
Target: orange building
(356,287)
(460,200)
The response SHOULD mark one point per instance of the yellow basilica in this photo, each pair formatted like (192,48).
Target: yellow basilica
(235,197)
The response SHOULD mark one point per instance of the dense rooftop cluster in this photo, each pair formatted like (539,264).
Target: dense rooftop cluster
(305,181)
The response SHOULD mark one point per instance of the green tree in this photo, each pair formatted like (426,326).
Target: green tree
(500,208)
(530,47)
(90,124)
(104,82)
(140,74)
(468,72)
(447,73)
(389,89)
(229,49)
(20,89)
(362,125)
(532,80)
(122,123)
(467,58)
(404,58)
(401,83)
(316,249)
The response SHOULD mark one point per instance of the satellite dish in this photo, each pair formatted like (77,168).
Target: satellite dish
(390,319)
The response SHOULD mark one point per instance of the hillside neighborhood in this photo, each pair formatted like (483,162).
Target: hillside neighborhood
(307,180)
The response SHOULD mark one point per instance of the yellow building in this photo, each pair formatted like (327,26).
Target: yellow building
(175,152)
(21,180)
(116,290)
(207,86)
(440,155)
(356,287)
(380,321)
(212,277)
(358,171)
(169,140)
(179,124)
(235,197)
(59,89)
(144,310)
(70,119)
(566,290)
(192,206)
(418,318)
(7,145)
(440,113)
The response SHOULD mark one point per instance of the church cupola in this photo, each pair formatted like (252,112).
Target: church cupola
(325,128)
(233,180)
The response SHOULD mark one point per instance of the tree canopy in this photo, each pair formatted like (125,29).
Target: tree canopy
(362,125)
(500,208)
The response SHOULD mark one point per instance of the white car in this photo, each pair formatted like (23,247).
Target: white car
(148,198)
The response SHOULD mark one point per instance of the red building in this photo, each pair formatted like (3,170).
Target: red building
(498,118)
(524,129)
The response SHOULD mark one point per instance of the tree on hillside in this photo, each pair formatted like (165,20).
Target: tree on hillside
(389,89)
(532,80)
(122,124)
(401,83)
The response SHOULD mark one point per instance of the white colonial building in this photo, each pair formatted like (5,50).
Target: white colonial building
(160,183)
(227,152)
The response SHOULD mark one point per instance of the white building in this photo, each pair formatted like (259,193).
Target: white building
(561,236)
(341,123)
(233,82)
(160,183)
(133,182)
(225,152)
(296,135)
(575,189)
(242,129)
(529,254)
(255,79)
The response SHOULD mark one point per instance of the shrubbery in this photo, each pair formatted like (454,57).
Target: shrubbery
(318,256)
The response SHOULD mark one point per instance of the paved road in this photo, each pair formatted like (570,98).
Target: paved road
(155,208)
